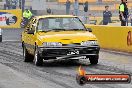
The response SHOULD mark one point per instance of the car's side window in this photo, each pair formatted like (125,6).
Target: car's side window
(40,25)
(43,24)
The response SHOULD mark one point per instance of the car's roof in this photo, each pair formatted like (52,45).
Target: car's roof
(47,16)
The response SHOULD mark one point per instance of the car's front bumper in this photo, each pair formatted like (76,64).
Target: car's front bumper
(68,51)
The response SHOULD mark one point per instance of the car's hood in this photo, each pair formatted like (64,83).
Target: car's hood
(66,37)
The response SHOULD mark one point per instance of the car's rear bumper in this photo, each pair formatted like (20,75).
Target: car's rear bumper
(68,51)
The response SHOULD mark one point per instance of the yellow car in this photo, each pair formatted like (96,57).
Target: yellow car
(58,37)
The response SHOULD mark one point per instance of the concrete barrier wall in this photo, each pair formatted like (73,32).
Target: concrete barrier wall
(115,38)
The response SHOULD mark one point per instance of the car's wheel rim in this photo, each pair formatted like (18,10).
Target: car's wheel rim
(24,53)
(36,57)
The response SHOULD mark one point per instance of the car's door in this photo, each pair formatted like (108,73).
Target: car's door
(32,37)
(25,35)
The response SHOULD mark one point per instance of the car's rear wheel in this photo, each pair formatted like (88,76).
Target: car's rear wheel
(38,60)
(27,57)
(94,59)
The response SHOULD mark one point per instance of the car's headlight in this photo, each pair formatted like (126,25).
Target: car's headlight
(89,43)
(51,44)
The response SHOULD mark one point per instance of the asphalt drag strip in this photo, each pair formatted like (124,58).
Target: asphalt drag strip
(14,73)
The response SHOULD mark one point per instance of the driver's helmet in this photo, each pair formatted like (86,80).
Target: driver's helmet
(26,10)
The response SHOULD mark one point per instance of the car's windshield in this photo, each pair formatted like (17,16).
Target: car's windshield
(59,24)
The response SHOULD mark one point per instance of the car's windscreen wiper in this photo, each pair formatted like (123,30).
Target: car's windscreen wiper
(77,29)
(56,30)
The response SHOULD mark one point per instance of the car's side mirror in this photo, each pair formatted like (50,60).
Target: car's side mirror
(89,29)
(31,32)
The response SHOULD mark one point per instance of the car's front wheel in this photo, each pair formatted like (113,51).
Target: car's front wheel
(38,60)
(94,59)
(27,57)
